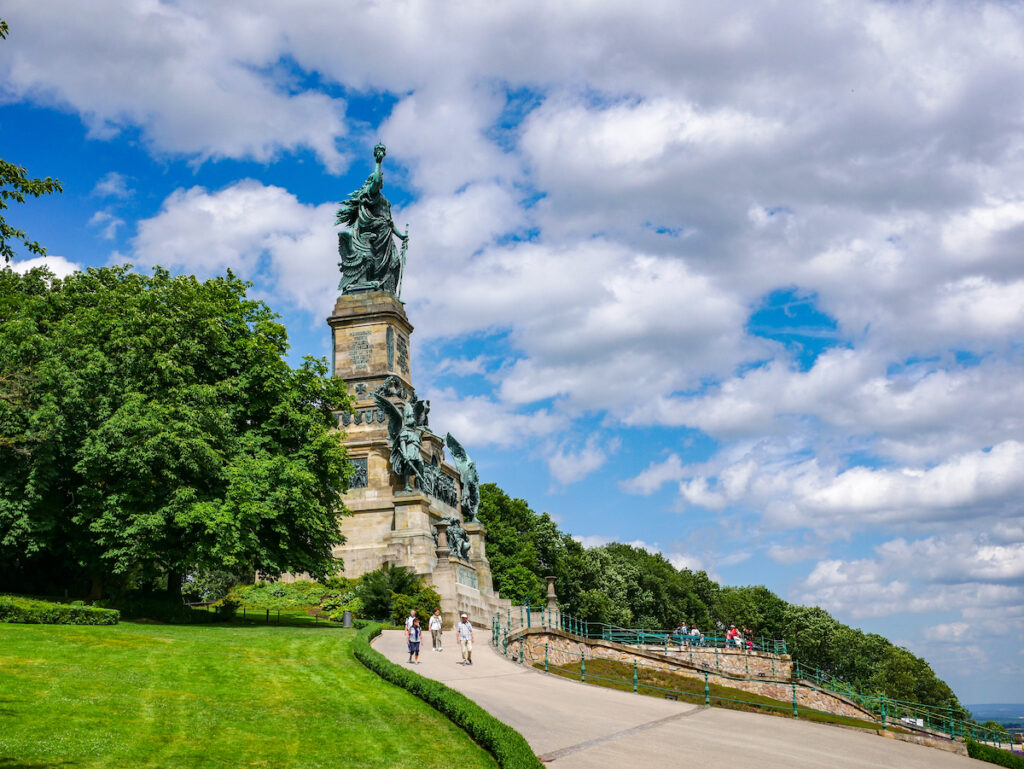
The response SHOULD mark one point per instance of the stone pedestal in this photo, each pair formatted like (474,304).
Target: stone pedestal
(370,334)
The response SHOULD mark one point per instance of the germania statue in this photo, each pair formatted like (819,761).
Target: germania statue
(370,261)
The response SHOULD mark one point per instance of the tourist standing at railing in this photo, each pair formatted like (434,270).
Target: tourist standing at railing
(696,637)
(748,638)
(464,630)
(681,633)
(732,636)
(435,630)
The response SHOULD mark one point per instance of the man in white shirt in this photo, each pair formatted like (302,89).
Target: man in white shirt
(408,622)
(435,630)
(465,634)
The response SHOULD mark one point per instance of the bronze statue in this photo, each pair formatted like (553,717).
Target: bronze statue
(405,431)
(369,259)
(470,478)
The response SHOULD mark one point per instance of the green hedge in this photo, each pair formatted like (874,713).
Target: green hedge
(33,612)
(993,755)
(508,746)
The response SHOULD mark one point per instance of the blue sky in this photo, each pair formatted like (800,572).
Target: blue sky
(744,286)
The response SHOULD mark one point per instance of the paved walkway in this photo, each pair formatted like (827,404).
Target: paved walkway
(574,725)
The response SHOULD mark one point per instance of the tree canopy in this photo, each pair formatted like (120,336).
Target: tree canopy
(628,586)
(150,426)
(15,184)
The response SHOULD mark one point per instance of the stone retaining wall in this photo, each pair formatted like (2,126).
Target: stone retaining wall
(565,649)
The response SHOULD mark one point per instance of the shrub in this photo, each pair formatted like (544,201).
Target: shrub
(993,755)
(423,601)
(509,747)
(30,611)
(377,589)
(301,594)
(207,586)
(336,612)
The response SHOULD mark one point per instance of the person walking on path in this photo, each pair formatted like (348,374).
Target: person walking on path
(408,622)
(435,631)
(413,635)
(465,634)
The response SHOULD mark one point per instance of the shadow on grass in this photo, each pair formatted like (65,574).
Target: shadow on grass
(17,763)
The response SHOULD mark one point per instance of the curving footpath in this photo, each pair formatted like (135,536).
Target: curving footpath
(570,724)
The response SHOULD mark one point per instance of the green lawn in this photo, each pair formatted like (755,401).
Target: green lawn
(658,683)
(238,695)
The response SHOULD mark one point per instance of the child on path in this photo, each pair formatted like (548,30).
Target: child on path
(465,633)
(435,631)
(414,641)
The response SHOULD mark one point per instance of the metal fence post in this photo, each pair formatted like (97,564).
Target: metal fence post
(795,715)
(528,621)
(583,667)
(545,658)
(883,712)
(634,676)
(707,691)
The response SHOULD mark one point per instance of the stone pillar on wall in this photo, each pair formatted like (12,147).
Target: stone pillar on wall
(552,601)
(478,553)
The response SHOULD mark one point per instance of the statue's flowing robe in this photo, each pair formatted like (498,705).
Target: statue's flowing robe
(370,260)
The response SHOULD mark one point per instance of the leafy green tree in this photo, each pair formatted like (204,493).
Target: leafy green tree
(152,428)
(15,184)
(627,586)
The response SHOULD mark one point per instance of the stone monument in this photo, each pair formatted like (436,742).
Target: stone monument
(410,507)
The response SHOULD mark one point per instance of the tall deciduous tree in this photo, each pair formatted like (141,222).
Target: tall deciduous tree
(15,184)
(152,426)
(630,587)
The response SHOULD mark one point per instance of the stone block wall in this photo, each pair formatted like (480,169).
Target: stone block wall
(565,649)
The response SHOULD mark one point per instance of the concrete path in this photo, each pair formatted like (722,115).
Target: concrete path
(574,725)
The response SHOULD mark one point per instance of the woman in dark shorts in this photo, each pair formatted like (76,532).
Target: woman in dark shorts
(414,642)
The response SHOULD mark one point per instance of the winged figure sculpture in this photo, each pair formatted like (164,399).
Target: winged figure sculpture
(405,434)
(470,478)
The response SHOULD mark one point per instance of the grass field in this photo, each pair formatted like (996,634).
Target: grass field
(232,694)
(658,683)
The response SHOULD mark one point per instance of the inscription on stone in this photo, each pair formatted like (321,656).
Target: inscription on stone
(403,354)
(359,350)
(360,476)
(467,577)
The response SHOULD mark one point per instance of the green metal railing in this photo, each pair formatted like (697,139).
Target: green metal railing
(540,616)
(888,712)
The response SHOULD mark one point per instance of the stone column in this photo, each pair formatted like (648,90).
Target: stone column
(443,577)
(478,555)
(552,602)
(443,550)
